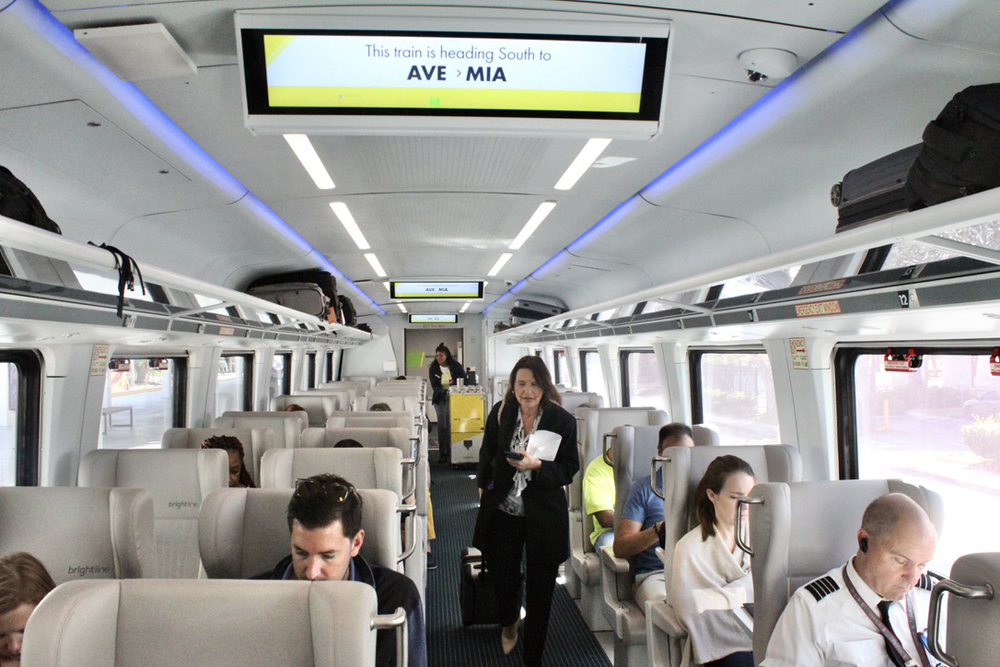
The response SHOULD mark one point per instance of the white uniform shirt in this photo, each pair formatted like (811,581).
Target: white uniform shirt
(823,625)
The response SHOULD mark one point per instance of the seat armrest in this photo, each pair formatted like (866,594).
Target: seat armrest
(616,583)
(661,615)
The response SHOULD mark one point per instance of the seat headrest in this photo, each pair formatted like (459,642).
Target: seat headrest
(190,622)
(244,532)
(103,533)
(366,468)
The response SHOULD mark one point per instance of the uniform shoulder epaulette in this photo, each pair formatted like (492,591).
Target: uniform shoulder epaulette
(925,582)
(822,587)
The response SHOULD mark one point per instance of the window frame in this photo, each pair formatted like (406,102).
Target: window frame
(695,355)
(311,369)
(558,361)
(286,376)
(27,448)
(248,362)
(844,363)
(623,356)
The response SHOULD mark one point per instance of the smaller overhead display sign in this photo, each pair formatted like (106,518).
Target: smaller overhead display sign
(436,290)
(433,319)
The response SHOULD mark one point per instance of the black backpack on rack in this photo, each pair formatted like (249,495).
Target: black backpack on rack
(961,150)
(18,202)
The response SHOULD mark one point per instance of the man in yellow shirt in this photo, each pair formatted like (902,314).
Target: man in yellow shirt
(599,500)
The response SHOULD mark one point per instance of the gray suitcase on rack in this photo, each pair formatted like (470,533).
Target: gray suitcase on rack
(303,297)
(873,191)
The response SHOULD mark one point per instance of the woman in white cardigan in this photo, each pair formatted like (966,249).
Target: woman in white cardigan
(711,576)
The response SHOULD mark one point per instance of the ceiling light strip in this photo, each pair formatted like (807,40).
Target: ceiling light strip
(347,220)
(504,258)
(536,219)
(373,260)
(401,307)
(582,163)
(309,158)
(465,307)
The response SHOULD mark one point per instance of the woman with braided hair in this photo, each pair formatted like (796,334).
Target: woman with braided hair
(239,477)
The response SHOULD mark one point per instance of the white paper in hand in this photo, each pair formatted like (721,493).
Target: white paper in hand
(544,445)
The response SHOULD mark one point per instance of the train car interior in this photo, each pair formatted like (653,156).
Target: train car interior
(262,219)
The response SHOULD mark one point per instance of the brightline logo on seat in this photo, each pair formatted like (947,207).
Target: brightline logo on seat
(82,570)
(181,503)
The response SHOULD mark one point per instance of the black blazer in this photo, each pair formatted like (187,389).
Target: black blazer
(434,373)
(545,509)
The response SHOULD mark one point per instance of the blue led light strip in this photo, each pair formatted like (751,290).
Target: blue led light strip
(39,19)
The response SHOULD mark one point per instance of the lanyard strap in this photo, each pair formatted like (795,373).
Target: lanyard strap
(889,635)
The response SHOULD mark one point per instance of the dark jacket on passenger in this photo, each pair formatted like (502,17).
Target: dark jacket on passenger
(545,510)
(393,590)
(434,371)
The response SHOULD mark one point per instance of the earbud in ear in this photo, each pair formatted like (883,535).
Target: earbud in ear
(863,545)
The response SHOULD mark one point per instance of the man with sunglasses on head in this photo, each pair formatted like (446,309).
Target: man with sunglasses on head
(324,517)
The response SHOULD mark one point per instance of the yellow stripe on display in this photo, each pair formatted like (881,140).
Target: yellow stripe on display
(426,295)
(451,98)
(274,45)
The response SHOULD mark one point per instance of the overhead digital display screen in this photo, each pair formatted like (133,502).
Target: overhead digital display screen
(433,319)
(436,290)
(303,72)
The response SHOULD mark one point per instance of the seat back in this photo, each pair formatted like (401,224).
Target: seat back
(156,622)
(343,398)
(705,435)
(80,533)
(802,530)
(370,419)
(179,479)
(397,402)
(317,406)
(633,449)
(244,532)
(571,400)
(255,442)
(972,622)
(399,438)
(286,427)
(368,468)
(687,465)
(592,425)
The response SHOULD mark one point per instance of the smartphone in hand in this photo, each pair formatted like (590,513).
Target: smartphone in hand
(517,456)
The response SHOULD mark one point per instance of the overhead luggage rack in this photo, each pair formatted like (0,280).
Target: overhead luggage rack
(32,300)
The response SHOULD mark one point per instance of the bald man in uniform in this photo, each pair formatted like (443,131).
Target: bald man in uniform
(840,618)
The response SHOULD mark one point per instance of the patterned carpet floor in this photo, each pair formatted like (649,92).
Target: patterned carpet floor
(449,644)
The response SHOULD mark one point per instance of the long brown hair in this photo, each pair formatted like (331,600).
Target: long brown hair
(715,477)
(23,580)
(537,367)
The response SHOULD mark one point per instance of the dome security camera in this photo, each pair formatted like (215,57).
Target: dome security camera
(764,64)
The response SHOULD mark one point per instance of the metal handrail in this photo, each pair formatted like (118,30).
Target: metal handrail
(397,620)
(984,592)
(411,467)
(741,542)
(409,512)
(604,448)
(652,474)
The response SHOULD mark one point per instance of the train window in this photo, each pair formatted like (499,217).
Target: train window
(592,376)
(281,375)
(205,301)
(234,383)
(938,426)
(106,282)
(20,387)
(762,282)
(330,367)
(311,370)
(641,386)
(733,392)
(561,371)
(142,398)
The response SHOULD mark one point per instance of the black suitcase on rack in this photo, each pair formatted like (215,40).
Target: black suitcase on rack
(961,150)
(873,191)
(478,597)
